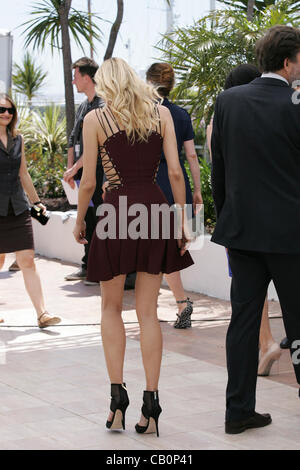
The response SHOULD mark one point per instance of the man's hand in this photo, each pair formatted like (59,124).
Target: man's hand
(69,176)
(197,201)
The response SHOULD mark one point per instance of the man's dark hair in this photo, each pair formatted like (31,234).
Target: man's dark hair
(279,43)
(241,75)
(86,66)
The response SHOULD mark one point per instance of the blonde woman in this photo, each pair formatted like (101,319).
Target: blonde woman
(131,130)
(16,233)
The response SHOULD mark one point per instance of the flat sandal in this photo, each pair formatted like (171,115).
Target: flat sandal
(49,322)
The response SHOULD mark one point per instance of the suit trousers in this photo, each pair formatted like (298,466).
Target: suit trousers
(251,274)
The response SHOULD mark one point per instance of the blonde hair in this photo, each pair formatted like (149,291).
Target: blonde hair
(132,101)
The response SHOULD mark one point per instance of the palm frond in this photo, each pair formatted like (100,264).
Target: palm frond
(44,26)
(204,53)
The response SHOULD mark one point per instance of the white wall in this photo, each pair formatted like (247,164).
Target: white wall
(209,274)
(56,240)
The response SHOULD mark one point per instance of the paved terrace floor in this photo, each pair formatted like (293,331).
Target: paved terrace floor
(54,389)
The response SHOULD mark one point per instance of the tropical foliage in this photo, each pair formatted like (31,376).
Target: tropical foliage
(45,26)
(259,5)
(28,78)
(46,148)
(53,22)
(204,53)
(209,208)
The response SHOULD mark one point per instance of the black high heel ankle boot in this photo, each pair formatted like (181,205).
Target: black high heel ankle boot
(151,410)
(118,405)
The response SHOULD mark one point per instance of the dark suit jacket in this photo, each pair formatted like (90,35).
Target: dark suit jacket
(256,167)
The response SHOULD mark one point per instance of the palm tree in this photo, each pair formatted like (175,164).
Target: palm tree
(45,132)
(250,9)
(114,30)
(203,55)
(259,5)
(55,21)
(28,78)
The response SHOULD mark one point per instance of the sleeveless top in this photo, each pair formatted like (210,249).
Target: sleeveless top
(12,195)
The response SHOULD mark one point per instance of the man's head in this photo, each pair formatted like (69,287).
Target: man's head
(278,51)
(84,72)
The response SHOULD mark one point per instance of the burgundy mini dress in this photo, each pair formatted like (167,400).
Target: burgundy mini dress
(130,207)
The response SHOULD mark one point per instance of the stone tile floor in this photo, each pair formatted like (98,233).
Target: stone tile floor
(54,390)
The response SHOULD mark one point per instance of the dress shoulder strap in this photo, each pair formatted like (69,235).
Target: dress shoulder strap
(107,121)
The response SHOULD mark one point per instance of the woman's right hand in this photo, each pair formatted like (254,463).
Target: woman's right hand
(105,186)
(185,239)
(79,233)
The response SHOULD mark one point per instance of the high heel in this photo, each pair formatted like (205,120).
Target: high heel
(151,410)
(184,319)
(266,360)
(118,405)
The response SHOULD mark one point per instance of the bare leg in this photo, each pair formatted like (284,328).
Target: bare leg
(265,335)
(112,328)
(269,349)
(25,260)
(175,284)
(2,260)
(147,288)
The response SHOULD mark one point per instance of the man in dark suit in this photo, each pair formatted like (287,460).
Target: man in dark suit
(256,189)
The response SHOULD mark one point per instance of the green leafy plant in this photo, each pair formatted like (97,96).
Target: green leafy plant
(52,23)
(259,5)
(209,209)
(46,149)
(203,54)
(28,78)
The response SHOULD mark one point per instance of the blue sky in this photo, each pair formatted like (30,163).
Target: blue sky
(143,22)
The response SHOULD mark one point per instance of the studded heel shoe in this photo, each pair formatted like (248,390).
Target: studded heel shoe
(184,319)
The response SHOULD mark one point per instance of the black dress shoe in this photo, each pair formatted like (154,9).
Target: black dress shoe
(285,344)
(255,421)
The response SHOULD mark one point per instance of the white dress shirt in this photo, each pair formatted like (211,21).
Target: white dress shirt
(274,75)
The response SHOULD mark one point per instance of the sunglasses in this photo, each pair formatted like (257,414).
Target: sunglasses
(3,109)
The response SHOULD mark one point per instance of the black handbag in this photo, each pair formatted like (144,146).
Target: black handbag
(37,213)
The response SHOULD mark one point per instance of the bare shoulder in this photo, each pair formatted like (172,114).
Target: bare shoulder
(90,118)
(164,113)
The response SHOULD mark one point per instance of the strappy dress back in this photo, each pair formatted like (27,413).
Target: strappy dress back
(130,168)
(126,164)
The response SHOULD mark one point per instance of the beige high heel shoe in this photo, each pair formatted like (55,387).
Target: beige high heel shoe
(266,360)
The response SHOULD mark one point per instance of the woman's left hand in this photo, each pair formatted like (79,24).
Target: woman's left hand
(41,206)
(79,233)
(197,201)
